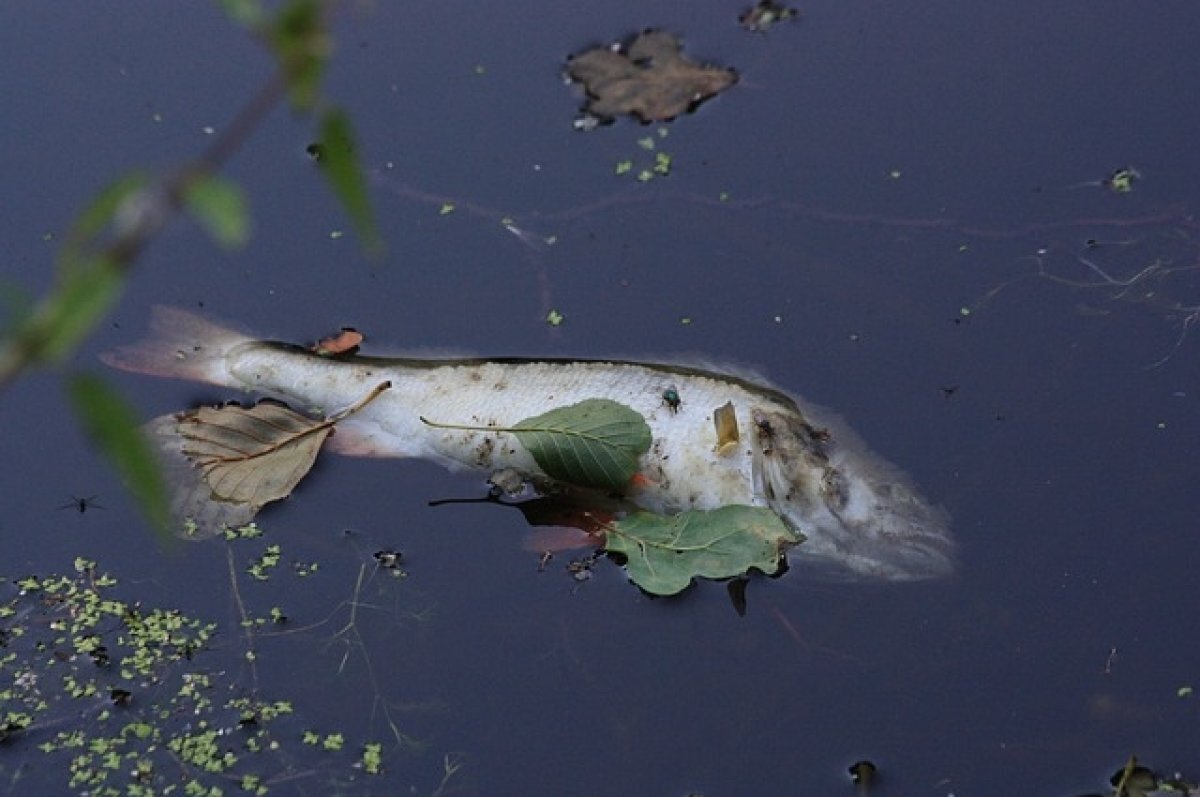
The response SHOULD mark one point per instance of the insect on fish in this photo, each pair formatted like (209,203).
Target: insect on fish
(730,440)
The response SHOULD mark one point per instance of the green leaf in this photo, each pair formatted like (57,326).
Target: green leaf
(113,425)
(663,554)
(247,13)
(90,285)
(220,206)
(104,208)
(339,163)
(302,46)
(595,443)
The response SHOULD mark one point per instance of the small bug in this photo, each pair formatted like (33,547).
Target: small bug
(82,505)
(670,397)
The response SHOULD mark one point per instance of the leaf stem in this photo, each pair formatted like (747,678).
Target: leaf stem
(358,405)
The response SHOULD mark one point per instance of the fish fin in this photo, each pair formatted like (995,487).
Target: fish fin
(181,345)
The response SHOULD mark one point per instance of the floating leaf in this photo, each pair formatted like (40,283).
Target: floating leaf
(649,79)
(228,462)
(663,554)
(595,443)
(252,455)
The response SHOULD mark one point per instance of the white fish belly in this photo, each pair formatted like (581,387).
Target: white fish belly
(682,470)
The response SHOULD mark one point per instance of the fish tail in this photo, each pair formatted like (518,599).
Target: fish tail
(181,345)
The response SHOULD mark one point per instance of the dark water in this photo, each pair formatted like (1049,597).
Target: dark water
(1055,421)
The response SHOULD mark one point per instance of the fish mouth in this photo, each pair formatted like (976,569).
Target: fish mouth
(857,512)
(897,540)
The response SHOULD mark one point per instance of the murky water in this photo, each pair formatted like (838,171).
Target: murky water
(884,215)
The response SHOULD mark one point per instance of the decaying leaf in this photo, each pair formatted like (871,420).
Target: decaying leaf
(595,443)
(344,343)
(663,554)
(226,463)
(725,421)
(649,79)
(252,455)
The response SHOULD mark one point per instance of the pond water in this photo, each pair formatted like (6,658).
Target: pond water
(898,213)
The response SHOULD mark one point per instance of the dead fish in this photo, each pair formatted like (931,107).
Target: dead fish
(729,439)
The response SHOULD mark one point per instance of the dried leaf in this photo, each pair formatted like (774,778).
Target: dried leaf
(252,455)
(649,79)
(345,342)
(226,463)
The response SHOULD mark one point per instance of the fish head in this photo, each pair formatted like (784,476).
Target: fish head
(857,512)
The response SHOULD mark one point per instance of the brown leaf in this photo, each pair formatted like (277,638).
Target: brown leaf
(345,342)
(254,455)
(649,79)
(226,463)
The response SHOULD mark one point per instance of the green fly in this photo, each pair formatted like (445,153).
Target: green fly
(670,397)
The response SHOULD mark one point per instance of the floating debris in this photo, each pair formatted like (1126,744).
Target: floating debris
(765,15)
(649,79)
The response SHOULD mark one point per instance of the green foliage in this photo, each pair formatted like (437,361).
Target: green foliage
(339,163)
(113,426)
(302,45)
(88,287)
(102,210)
(109,234)
(663,554)
(220,206)
(125,698)
(89,279)
(372,758)
(247,13)
(595,443)
(74,650)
